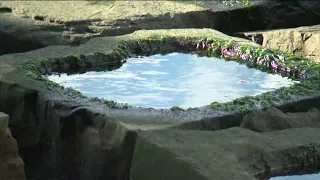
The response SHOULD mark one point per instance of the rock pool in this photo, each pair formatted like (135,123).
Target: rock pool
(175,79)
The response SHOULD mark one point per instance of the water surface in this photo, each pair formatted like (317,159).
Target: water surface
(298,177)
(174,79)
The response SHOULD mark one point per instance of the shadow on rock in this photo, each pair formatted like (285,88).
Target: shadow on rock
(64,140)
(273,119)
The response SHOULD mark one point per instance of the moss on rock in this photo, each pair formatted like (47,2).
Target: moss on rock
(213,47)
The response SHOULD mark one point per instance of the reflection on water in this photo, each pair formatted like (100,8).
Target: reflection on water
(175,79)
(298,177)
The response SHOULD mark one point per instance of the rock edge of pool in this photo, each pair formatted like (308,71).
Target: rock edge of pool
(173,81)
(121,142)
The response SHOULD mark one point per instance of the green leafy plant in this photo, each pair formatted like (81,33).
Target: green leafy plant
(176,108)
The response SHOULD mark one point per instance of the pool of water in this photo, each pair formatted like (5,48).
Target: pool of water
(176,79)
(298,177)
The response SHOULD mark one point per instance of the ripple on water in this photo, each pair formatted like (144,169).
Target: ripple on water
(176,79)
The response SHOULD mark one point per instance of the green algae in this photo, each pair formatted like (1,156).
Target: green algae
(232,2)
(166,44)
(306,86)
(245,104)
(296,64)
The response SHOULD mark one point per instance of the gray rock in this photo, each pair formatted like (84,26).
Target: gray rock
(234,153)
(273,119)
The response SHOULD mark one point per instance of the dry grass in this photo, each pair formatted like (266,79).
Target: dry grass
(106,10)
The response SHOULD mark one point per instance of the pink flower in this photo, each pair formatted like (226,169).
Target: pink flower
(274,65)
(243,57)
(288,69)
(228,53)
(263,59)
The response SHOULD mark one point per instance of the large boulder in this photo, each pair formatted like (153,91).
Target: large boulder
(272,119)
(11,165)
(302,41)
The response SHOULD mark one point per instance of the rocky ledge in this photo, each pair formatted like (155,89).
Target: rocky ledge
(64,135)
(302,41)
(11,164)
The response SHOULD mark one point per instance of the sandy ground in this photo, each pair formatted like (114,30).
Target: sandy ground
(107,10)
(112,9)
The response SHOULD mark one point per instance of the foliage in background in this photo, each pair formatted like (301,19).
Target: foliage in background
(233,2)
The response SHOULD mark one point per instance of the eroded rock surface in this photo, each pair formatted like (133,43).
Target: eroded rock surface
(272,119)
(11,165)
(234,153)
(65,140)
(303,41)
(63,135)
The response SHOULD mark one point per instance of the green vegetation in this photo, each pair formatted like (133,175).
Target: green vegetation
(232,2)
(109,103)
(245,104)
(308,73)
(176,108)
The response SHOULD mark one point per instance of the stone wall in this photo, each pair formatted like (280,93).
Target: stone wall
(11,165)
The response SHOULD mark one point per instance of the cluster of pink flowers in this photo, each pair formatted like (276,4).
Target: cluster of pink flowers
(233,51)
